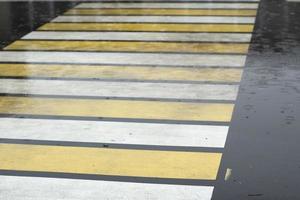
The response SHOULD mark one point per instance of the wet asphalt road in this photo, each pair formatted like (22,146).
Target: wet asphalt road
(263,143)
(20,18)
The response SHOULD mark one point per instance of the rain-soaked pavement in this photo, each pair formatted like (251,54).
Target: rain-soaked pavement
(97,107)
(262,144)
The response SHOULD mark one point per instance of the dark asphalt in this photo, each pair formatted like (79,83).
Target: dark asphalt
(263,144)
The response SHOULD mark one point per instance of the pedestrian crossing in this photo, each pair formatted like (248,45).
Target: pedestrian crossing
(122,100)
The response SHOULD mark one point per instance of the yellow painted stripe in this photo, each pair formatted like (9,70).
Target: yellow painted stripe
(117,109)
(148,27)
(129,46)
(103,161)
(183,12)
(121,72)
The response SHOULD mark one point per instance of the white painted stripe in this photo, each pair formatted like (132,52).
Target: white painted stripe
(120,89)
(30,188)
(197,60)
(213,5)
(193,37)
(156,19)
(114,132)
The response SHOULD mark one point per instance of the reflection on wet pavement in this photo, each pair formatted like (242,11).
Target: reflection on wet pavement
(264,129)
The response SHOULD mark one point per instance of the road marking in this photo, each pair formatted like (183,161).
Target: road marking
(120,89)
(138,63)
(147,27)
(117,109)
(114,46)
(196,5)
(167,12)
(169,66)
(52,188)
(156,19)
(120,72)
(105,161)
(140,36)
(124,58)
(114,132)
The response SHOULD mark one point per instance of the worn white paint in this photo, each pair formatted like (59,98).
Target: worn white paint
(157,19)
(168,59)
(29,188)
(114,132)
(141,36)
(120,89)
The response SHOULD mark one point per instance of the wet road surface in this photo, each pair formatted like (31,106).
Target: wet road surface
(134,100)
(262,144)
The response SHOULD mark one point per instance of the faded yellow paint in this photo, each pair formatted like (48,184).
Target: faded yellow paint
(117,109)
(159,11)
(103,161)
(130,46)
(148,27)
(121,72)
